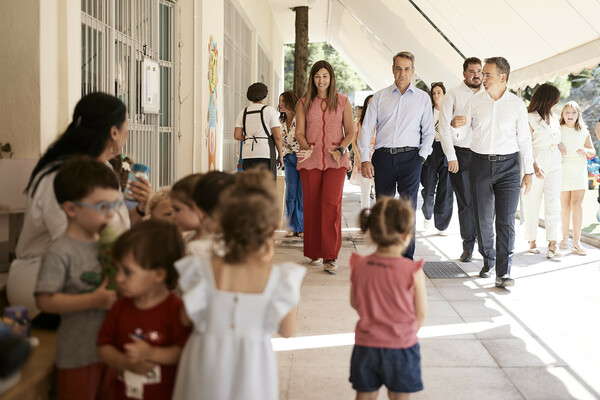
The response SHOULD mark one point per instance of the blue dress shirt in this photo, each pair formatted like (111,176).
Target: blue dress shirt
(401,120)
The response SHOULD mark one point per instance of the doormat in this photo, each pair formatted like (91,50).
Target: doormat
(443,270)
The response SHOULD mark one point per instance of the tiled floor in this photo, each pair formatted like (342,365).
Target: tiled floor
(541,340)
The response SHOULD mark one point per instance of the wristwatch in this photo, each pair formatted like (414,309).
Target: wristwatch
(342,150)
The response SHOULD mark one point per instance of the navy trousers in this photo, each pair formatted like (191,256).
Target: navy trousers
(438,199)
(464,200)
(400,171)
(495,187)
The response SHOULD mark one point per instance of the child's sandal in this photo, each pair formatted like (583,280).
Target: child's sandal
(578,249)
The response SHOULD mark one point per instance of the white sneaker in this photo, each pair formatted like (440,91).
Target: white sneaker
(330,266)
(427,224)
(442,233)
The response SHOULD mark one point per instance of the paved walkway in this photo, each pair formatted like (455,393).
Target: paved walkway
(541,340)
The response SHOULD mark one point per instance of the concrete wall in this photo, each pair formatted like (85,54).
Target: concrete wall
(198,22)
(42,65)
(267,33)
(40,43)
(41,79)
(20,77)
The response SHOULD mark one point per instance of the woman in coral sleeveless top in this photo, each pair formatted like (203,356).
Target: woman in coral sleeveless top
(324,129)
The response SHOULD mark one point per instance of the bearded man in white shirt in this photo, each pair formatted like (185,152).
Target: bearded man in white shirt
(458,152)
(501,135)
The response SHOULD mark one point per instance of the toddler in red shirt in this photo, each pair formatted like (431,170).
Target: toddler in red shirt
(142,335)
(388,292)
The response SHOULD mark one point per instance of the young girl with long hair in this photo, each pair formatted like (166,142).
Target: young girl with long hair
(577,148)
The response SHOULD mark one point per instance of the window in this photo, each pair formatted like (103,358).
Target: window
(264,75)
(116,37)
(237,52)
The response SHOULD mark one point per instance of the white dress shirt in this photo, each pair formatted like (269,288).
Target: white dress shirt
(499,127)
(454,102)
(401,120)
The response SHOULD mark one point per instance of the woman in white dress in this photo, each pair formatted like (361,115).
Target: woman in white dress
(237,301)
(546,137)
(577,148)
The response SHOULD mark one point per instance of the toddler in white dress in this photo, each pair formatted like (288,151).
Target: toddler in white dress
(235,302)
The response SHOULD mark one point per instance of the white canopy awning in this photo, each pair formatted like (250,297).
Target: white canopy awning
(541,39)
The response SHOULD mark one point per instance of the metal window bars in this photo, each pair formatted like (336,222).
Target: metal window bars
(237,55)
(116,37)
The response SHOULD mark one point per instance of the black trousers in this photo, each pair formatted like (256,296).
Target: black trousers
(464,200)
(249,163)
(438,199)
(495,187)
(400,171)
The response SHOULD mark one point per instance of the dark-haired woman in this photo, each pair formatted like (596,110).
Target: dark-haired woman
(258,127)
(437,193)
(366,184)
(324,130)
(546,137)
(99,129)
(294,209)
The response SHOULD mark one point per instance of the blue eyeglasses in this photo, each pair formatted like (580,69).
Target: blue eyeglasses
(104,207)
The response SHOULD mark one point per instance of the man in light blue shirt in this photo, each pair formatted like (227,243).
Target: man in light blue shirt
(403,117)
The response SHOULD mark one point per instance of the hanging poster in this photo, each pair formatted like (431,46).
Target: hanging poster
(213,115)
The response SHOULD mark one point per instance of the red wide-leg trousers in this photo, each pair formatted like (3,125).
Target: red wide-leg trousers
(322,196)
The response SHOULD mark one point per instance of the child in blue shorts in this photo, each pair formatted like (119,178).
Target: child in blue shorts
(388,292)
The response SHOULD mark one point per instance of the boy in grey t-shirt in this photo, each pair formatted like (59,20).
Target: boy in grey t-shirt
(88,192)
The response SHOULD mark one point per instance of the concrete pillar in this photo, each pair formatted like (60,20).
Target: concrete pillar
(40,42)
(301,50)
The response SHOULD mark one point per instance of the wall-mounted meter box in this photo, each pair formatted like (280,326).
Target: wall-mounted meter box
(150,87)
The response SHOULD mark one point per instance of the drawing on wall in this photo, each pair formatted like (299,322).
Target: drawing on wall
(213,114)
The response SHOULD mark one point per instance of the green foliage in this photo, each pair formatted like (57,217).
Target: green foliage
(582,78)
(564,86)
(421,85)
(346,78)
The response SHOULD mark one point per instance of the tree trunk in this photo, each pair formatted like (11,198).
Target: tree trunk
(301,50)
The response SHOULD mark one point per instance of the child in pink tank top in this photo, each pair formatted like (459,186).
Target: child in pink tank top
(388,292)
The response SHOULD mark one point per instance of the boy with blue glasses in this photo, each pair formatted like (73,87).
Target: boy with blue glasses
(88,192)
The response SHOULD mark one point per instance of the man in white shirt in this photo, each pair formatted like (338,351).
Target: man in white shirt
(458,152)
(403,116)
(501,135)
